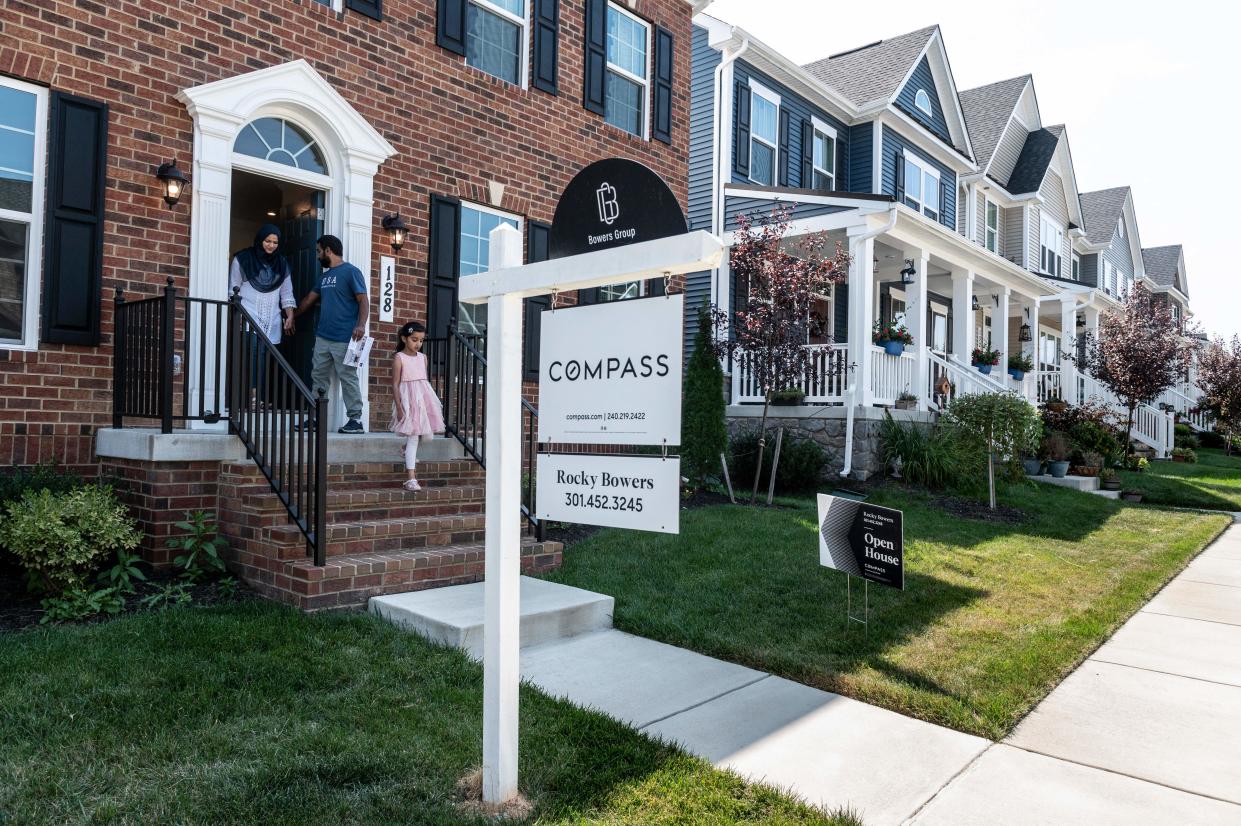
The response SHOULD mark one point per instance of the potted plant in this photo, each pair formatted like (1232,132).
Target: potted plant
(1110,479)
(1033,465)
(1137,464)
(984,359)
(1132,495)
(1184,454)
(906,401)
(1056,404)
(1018,365)
(1056,451)
(891,337)
(1092,464)
(788,397)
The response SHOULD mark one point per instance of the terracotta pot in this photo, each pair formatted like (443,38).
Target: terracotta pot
(1131,497)
(1178,458)
(1113,484)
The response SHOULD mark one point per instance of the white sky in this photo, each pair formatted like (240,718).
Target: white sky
(1148,92)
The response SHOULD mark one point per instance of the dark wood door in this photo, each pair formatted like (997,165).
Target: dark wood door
(300,233)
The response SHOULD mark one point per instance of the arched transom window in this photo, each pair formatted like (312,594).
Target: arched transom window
(923,101)
(279,141)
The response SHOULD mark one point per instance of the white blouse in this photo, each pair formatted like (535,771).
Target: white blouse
(265,307)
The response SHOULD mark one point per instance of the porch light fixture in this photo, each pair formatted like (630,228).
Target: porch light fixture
(173,180)
(907,274)
(396,231)
(1024,333)
(974,303)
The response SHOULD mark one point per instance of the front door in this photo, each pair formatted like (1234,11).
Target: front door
(301,233)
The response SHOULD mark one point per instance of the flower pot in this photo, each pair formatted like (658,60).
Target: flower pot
(894,348)
(1131,497)
(1111,484)
(1058,469)
(1178,458)
(1057,407)
(1086,470)
(985,369)
(786,401)
(1033,467)
(906,404)
(1018,375)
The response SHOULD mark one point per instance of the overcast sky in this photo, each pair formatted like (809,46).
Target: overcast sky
(1148,92)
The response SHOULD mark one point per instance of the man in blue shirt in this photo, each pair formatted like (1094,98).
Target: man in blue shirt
(342,317)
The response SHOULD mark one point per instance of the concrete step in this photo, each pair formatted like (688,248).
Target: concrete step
(454,616)
(1086,484)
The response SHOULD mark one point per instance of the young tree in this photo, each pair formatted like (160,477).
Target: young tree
(1219,379)
(704,433)
(996,423)
(778,281)
(1138,354)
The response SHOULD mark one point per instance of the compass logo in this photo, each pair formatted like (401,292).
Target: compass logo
(609,209)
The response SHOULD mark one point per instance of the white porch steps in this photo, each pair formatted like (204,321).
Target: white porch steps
(454,615)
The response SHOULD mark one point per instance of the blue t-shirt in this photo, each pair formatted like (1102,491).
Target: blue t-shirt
(338,303)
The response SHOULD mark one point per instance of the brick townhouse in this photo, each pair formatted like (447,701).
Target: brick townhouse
(322,116)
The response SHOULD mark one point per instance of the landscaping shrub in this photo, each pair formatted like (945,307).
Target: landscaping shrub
(1089,436)
(61,538)
(931,456)
(1072,415)
(704,432)
(1185,455)
(49,476)
(802,461)
(1184,438)
(1002,424)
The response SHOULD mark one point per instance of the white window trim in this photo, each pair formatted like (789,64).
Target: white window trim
(771,97)
(929,111)
(645,82)
(1075,266)
(490,211)
(1046,223)
(926,169)
(987,204)
(524,23)
(335,5)
(820,127)
(33,221)
(641,290)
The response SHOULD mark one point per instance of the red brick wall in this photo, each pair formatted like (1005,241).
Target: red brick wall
(159,494)
(454,128)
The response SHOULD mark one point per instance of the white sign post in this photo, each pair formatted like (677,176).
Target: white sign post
(503,289)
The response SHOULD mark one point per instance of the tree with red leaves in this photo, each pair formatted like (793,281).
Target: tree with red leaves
(1138,354)
(1219,379)
(778,281)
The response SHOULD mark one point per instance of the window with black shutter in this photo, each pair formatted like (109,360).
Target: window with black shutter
(443,266)
(741,130)
(373,9)
(807,153)
(73,261)
(546,45)
(595,69)
(786,157)
(536,250)
(899,178)
(450,26)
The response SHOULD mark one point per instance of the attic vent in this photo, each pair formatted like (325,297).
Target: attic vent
(851,51)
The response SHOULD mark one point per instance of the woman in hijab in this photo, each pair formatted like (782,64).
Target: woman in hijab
(265,280)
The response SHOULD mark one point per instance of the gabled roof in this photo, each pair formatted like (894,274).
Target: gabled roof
(987,112)
(1036,155)
(1162,265)
(873,72)
(1102,210)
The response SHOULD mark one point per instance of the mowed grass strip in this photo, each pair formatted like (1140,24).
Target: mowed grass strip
(258,714)
(992,618)
(1213,482)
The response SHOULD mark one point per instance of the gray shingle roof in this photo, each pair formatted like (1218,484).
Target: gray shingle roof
(987,111)
(1035,157)
(1102,211)
(872,72)
(1160,263)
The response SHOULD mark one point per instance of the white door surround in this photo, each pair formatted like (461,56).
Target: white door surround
(351,147)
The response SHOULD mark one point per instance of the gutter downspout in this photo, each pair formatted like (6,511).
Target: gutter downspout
(717,195)
(852,392)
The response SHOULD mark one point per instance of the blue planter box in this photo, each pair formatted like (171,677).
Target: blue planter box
(1016,374)
(985,369)
(894,348)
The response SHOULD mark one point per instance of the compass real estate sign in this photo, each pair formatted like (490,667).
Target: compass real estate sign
(863,540)
(637,492)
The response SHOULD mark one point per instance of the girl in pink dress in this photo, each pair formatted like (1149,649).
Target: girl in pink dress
(416,410)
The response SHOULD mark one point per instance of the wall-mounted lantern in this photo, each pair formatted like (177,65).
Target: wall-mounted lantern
(1024,334)
(173,181)
(974,303)
(907,274)
(396,230)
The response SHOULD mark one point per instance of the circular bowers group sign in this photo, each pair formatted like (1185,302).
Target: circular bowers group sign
(612,203)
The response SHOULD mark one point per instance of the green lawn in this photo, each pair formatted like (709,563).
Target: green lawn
(1214,482)
(992,618)
(255,713)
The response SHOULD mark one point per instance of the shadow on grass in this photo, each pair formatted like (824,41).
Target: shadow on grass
(1185,492)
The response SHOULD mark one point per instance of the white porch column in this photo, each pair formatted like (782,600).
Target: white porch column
(1068,333)
(861,313)
(999,329)
(919,328)
(962,315)
(1092,321)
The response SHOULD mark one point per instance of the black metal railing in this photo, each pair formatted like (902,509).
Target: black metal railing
(180,359)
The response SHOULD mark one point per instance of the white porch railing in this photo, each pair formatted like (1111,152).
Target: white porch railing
(1047,385)
(890,376)
(825,382)
(1182,403)
(1151,426)
(962,381)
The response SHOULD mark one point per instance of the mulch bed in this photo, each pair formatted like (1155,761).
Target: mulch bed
(980,511)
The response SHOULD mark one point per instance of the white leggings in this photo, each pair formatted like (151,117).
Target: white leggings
(411,452)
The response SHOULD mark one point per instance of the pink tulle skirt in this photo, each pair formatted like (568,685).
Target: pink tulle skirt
(423,414)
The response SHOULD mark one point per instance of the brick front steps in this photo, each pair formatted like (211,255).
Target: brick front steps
(381,538)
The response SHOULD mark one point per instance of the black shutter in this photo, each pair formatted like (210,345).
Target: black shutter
(899,177)
(73,253)
(840,184)
(444,264)
(741,131)
(655,286)
(546,44)
(840,309)
(595,69)
(807,154)
(944,191)
(588,296)
(536,250)
(661,121)
(374,9)
(784,160)
(885,304)
(450,26)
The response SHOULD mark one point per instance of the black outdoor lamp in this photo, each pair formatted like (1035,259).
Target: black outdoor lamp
(396,231)
(974,303)
(1024,334)
(173,180)
(907,274)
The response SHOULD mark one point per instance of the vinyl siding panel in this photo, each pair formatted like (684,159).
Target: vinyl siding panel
(1090,269)
(861,160)
(980,223)
(759,207)
(1054,203)
(1032,234)
(701,132)
(697,294)
(963,200)
(1118,255)
(1014,235)
(922,78)
(1007,151)
(892,142)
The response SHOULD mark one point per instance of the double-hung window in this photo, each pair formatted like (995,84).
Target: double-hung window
(1052,240)
(1077,267)
(921,187)
(23,138)
(764,125)
(495,38)
(1109,286)
(823,157)
(992,230)
(477,222)
(628,78)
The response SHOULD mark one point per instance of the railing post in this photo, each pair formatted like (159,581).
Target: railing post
(232,386)
(118,361)
(167,337)
(321,479)
(450,375)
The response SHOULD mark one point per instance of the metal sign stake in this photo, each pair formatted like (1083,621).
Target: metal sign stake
(865,618)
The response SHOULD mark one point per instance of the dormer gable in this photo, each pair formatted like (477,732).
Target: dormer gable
(1000,116)
(919,98)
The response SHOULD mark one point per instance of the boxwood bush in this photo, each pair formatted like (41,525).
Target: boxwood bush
(802,462)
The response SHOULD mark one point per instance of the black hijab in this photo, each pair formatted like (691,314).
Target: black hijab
(264,272)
